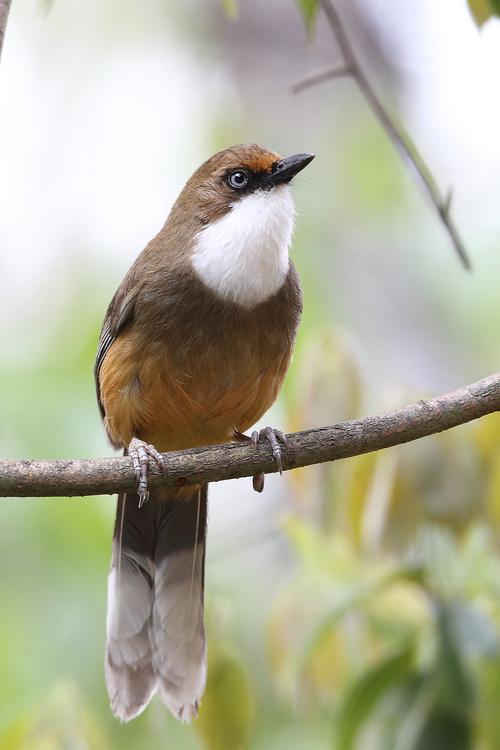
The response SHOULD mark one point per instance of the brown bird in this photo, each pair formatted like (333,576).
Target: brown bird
(193,350)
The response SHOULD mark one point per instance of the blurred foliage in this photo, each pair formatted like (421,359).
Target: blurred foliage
(309,10)
(482,10)
(399,657)
(62,721)
(384,634)
(372,617)
(226,717)
(230,8)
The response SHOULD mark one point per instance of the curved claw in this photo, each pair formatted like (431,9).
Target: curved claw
(258,482)
(140,454)
(274,437)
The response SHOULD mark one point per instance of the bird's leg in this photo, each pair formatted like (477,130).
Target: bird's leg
(274,437)
(141,453)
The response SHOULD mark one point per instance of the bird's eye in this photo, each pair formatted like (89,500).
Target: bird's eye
(238,179)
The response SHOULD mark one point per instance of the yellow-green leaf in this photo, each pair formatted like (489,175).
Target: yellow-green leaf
(352,599)
(309,10)
(230,8)
(367,691)
(227,710)
(63,720)
(482,10)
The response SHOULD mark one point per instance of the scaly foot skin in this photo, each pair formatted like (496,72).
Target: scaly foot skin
(258,479)
(274,437)
(141,453)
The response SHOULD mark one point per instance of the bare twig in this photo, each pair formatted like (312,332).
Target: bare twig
(401,140)
(319,76)
(46,478)
(4,14)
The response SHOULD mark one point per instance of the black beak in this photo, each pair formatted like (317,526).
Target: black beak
(284,170)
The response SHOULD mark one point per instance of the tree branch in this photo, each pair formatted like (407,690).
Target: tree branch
(46,478)
(400,139)
(4,14)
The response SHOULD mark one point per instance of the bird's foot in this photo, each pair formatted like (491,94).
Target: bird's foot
(274,437)
(141,454)
(258,479)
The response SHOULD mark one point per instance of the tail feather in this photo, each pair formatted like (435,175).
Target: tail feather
(178,636)
(177,633)
(155,630)
(130,678)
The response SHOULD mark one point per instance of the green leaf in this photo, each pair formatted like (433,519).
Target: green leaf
(488,715)
(482,10)
(230,8)
(442,729)
(227,710)
(441,715)
(47,5)
(61,721)
(453,683)
(309,11)
(367,691)
(351,600)
(310,545)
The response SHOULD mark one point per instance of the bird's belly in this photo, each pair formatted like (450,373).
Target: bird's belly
(200,399)
(209,405)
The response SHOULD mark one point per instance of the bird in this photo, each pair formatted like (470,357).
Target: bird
(193,351)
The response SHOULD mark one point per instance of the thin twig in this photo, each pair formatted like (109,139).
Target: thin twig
(319,76)
(4,14)
(401,140)
(47,478)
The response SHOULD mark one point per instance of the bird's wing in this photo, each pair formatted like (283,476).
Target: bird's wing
(119,315)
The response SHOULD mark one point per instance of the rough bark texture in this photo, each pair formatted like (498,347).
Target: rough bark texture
(46,478)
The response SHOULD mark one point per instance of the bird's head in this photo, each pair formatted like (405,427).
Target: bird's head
(240,211)
(231,175)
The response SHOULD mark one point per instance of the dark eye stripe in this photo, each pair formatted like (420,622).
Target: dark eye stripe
(242,180)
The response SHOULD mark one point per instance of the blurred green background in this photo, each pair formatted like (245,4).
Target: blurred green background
(353,605)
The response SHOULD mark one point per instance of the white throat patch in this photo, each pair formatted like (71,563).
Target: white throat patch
(243,256)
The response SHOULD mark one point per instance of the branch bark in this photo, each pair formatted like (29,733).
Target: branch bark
(47,478)
(4,14)
(351,66)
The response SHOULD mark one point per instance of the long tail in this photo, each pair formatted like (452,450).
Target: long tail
(155,629)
